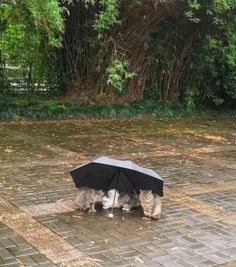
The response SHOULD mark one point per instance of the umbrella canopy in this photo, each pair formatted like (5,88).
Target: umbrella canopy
(123,175)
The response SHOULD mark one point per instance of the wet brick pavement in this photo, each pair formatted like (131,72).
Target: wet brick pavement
(187,153)
(15,252)
(226,200)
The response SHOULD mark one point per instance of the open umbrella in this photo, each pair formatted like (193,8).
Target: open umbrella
(123,175)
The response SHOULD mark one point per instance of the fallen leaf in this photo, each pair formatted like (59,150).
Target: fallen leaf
(180,222)
(8,149)
(77,216)
(138,259)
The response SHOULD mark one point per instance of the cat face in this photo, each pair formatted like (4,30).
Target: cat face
(145,195)
(124,199)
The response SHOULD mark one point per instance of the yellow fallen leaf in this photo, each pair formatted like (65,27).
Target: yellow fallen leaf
(77,216)
(8,149)
(180,222)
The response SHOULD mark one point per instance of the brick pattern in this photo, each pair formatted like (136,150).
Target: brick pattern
(226,200)
(56,249)
(186,153)
(15,251)
(182,237)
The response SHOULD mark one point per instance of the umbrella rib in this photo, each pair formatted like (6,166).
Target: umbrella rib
(118,171)
(127,175)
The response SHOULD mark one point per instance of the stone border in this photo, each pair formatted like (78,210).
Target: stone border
(49,208)
(55,248)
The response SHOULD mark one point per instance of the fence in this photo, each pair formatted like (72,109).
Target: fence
(20,72)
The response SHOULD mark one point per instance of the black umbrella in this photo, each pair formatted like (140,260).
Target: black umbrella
(123,175)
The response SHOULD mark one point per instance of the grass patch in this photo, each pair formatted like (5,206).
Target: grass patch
(31,107)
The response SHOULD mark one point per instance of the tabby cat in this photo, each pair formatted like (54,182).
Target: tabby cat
(129,200)
(86,198)
(151,204)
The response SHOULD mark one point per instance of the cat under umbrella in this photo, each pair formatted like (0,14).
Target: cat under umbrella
(117,184)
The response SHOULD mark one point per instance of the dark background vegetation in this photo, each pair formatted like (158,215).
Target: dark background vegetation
(116,58)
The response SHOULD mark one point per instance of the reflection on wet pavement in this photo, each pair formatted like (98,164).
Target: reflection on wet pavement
(188,153)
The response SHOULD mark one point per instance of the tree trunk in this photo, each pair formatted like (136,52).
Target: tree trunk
(137,24)
(132,36)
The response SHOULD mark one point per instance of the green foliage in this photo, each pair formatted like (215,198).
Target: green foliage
(215,68)
(106,17)
(191,12)
(34,107)
(191,53)
(43,17)
(118,74)
(30,30)
(190,96)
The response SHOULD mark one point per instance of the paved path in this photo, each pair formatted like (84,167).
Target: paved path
(196,158)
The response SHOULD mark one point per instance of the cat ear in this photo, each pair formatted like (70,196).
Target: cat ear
(140,190)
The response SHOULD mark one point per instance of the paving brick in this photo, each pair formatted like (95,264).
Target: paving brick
(182,253)
(216,259)
(74,240)
(12,265)
(167,260)
(99,257)
(182,237)
(231,252)
(111,256)
(141,260)
(47,265)
(185,263)
(4,254)
(19,248)
(196,260)
(5,233)
(131,254)
(26,260)
(208,263)
(18,240)
(7,243)
(120,263)
(142,248)
(94,249)
(8,262)
(24,252)
(122,250)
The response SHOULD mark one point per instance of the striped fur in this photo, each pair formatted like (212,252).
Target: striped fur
(86,198)
(151,204)
(129,200)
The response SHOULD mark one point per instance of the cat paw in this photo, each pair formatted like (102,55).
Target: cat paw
(146,218)
(126,209)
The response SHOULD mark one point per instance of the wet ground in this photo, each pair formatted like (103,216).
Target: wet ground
(195,157)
